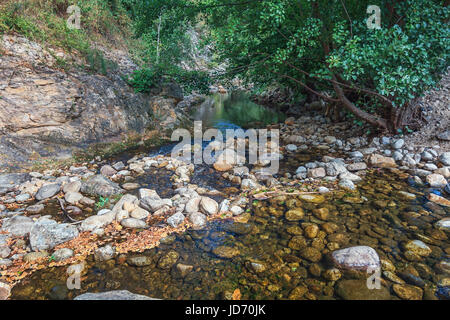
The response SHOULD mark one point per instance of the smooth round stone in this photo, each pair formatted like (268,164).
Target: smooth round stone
(407,292)
(62,254)
(443,224)
(35,209)
(312,198)
(139,261)
(198,220)
(358,290)
(226,252)
(176,219)
(133,223)
(47,191)
(209,206)
(418,247)
(295,214)
(358,258)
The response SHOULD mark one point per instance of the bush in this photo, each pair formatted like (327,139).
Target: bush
(143,80)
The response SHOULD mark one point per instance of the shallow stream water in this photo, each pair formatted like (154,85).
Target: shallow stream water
(266,255)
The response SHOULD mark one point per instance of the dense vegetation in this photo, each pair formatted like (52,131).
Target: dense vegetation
(322,47)
(317,47)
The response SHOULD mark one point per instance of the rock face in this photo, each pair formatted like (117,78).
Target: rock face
(358,258)
(45,112)
(113,295)
(47,233)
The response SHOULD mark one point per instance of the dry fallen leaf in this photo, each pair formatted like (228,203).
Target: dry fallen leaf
(236,295)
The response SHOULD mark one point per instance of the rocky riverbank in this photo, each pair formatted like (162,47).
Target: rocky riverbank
(102,203)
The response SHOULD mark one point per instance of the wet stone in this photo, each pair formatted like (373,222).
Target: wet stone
(358,290)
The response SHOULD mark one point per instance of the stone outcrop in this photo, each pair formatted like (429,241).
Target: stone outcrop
(48,112)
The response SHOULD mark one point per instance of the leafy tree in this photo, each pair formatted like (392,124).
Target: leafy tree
(326,48)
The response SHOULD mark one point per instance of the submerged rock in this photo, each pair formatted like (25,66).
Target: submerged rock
(358,290)
(226,252)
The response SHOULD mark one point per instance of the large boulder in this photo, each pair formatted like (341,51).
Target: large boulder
(47,112)
(101,186)
(47,234)
(18,226)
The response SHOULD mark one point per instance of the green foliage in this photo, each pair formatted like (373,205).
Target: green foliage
(143,80)
(101,202)
(46,22)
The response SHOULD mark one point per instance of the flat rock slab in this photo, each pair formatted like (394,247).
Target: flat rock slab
(113,295)
(48,191)
(358,290)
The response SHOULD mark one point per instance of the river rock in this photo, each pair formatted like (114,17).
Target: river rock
(33,256)
(226,252)
(133,223)
(358,290)
(18,226)
(439,200)
(5,291)
(98,221)
(335,168)
(154,204)
(10,180)
(445,158)
(418,247)
(168,260)
(139,260)
(357,166)
(295,214)
(312,198)
(99,185)
(198,220)
(208,206)
(176,219)
(184,269)
(445,136)
(358,258)
(104,253)
(317,173)
(73,197)
(74,186)
(62,254)
(377,160)
(407,292)
(347,184)
(47,233)
(443,224)
(436,180)
(310,253)
(113,295)
(108,171)
(47,191)
(139,213)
